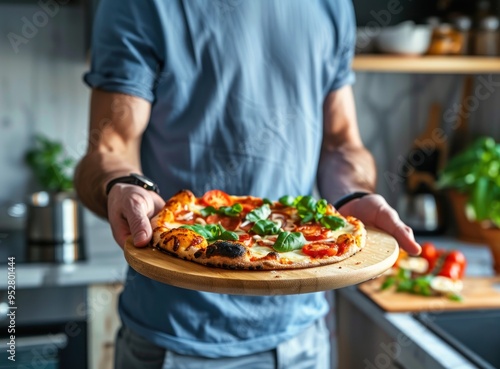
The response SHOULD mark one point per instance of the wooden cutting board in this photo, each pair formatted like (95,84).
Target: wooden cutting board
(478,293)
(379,255)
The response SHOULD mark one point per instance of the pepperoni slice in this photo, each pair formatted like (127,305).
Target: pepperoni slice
(229,223)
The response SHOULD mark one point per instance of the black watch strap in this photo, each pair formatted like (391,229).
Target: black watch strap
(352,196)
(134,179)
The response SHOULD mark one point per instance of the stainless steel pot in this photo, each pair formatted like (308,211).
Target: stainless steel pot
(54,229)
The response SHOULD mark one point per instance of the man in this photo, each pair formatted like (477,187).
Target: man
(250,97)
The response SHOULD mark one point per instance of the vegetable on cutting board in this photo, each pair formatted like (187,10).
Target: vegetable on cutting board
(435,272)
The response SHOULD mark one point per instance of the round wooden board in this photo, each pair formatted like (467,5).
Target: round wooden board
(380,254)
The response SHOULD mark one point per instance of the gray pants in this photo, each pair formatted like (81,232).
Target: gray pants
(309,350)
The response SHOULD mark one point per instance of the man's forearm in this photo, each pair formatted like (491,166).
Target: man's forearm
(344,170)
(94,171)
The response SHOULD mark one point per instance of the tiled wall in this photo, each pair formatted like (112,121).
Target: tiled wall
(41,91)
(393,110)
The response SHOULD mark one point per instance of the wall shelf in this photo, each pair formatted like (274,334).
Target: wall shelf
(426,64)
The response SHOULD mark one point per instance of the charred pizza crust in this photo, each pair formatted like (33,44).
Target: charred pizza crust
(188,245)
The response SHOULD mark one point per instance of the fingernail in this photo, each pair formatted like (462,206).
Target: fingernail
(139,237)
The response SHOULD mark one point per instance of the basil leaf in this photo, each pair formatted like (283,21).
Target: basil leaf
(212,232)
(307,204)
(389,281)
(209,210)
(306,217)
(403,274)
(321,206)
(267,201)
(287,200)
(332,222)
(405,286)
(228,236)
(260,213)
(230,211)
(289,241)
(265,227)
(208,231)
(296,201)
(455,297)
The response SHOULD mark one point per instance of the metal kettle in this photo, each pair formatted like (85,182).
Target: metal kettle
(422,212)
(54,229)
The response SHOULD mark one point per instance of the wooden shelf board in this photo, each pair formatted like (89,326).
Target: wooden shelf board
(426,64)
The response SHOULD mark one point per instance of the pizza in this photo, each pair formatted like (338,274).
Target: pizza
(251,233)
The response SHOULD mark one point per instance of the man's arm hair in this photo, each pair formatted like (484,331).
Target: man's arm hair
(345,165)
(117,122)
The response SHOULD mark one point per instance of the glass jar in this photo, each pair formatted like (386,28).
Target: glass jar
(487,38)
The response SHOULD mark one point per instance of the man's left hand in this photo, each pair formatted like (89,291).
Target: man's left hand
(374,211)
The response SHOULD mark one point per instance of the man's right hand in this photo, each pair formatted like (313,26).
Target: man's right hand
(130,209)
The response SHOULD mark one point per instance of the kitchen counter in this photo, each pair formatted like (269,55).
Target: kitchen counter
(398,340)
(104,263)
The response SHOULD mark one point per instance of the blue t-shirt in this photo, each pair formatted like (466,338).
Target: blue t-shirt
(237,89)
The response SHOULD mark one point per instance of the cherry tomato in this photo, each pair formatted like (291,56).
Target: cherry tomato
(451,270)
(430,254)
(312,232)
(456,257)
(319,250)
(216,198)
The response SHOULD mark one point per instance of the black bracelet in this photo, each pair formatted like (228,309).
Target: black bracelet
(352,196)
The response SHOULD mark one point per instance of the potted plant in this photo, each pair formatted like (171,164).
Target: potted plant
(475,174)
(50,165)
(54,213)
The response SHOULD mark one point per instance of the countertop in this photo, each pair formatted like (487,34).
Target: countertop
(104,264)
(440,354)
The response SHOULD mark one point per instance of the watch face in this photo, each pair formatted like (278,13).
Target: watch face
(146,180)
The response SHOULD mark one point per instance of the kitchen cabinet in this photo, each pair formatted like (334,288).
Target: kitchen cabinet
(103,323)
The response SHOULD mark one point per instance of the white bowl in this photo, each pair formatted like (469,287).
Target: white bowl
(406,38)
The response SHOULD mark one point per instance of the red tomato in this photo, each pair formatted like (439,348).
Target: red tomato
(312,232)
(216,198)
(459,258)
(451,270)
(430,254)
(319,250)
(456,257)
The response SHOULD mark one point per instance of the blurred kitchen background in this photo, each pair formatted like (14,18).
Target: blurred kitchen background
(399,94)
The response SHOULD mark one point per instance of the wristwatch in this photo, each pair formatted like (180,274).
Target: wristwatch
(134,179)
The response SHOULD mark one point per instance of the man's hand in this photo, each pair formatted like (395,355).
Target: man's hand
(374,211)
(130,209)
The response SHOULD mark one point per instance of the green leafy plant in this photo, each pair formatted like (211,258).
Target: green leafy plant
(50,165)
(476,173)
